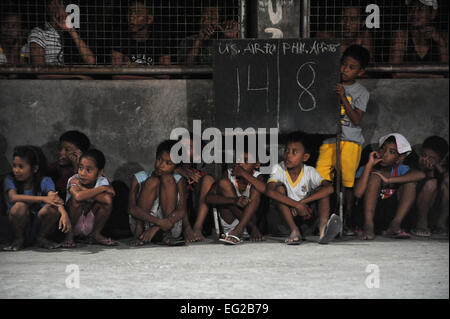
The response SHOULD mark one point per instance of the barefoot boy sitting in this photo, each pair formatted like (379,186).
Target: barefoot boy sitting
(385,163)
(294,186)
(237,200)
(89,200)
(162,201)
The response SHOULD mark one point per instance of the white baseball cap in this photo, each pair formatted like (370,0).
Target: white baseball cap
(403,146)
(429,3)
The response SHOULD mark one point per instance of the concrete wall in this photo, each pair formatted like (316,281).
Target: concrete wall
(127,119)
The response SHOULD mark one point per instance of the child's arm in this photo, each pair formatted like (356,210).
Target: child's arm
(355,115)
(51,199)
(361,183)
(213,198)
(81,194)
(268,189)
(325,189)
(410,177)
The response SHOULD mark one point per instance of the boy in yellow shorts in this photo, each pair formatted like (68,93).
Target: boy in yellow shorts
(354,98)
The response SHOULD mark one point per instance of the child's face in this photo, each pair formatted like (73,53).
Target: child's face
(88,171)
(138,17)
(389,154)
(294,155)
(420,15)
(164,164)
(66,149)
(22,170)
(210,17)
(428,158)
(351,22)
(245,163)
(11,27)
(350,69)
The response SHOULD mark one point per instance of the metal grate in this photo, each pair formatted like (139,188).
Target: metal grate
(119,32)
(400,26)
(171,36)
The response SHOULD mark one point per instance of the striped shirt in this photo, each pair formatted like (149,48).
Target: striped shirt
(50,40)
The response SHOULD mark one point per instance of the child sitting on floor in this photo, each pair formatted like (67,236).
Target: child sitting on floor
(237,200)
(162,201)
(294,186)
(369,185)
(33,206)
(432,178)
(89,200)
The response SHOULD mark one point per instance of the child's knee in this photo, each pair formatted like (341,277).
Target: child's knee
(48,211)
(151,183)
(167,180)
(224,185)
(430,186)
(19,209)
(281,189)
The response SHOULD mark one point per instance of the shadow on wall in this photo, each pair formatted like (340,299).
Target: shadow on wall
(5,168)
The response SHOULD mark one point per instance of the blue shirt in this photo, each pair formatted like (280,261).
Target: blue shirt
(401,170)
(47,185)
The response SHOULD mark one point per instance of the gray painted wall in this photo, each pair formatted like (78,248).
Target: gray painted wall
(127,119)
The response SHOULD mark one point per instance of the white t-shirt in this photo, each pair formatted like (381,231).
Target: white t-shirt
(308,180)
(101,181)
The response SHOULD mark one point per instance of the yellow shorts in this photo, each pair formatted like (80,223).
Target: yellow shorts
(350,156)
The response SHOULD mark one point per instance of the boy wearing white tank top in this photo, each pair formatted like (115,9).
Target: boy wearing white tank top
(237,202)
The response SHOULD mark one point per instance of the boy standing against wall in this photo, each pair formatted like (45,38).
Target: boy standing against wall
(353,98)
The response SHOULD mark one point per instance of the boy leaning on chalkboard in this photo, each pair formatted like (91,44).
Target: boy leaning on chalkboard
(353,98)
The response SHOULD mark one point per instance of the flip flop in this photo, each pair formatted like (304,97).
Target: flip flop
(332,228)
(420,232)
(227,241)
(293,240)
(105,242)
(400,234)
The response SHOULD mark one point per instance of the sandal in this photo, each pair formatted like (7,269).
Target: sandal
(420,232)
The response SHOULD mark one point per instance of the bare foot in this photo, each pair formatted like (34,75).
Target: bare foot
(15,246)
(255,235)
(47,244)
(189,235)
(198,236)
(101,240)
(148,235)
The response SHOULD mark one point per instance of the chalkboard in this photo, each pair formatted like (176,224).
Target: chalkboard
(277,83)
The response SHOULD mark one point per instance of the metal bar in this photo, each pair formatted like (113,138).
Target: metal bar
(205,70)
(109,70)
(305,19)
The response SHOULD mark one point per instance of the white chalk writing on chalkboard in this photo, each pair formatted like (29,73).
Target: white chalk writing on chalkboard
(250,88)
(306,89)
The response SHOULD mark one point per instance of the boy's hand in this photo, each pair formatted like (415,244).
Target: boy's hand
(238,170)
(230,29)
(109,190)
(242,201)
(192,175)
(340,90)
(374,159)
(75,158)
(206,33)
(64,224)
(300,210)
